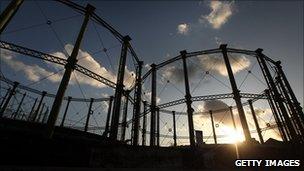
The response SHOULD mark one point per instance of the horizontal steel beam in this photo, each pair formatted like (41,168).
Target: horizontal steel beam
(272,126)
(20,86)
(54,59)
(242,51)
(249,52)
(251,96)
(32,53)
(95,76)
(212,97)
(203,52)
(94,16)
(90,128)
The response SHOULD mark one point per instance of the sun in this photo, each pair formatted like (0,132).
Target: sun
(233,136)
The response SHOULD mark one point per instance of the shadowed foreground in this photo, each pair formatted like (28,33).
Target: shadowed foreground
(23,147)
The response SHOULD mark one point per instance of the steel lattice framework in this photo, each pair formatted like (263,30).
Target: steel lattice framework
(54,59)
(285,107)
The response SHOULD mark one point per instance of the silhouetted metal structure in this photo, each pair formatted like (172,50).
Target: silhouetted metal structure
(256,123)
(12,92)
(213,127)
(35,114)
(107,127)
(8,13)
(236,94)
(276,95)
(188,99)
(144,123)
(90,112)
(174,129)
(66,111)
(153,105)
(124,117)
(284,105)
(137,103)
(19,106)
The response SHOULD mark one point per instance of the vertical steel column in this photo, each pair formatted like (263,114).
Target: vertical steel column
(40,114)
(22,116)
(132,129)
(119,88)
(236,94)
(8,13)
(137,105)
(12,92)
(157,126)
(280,90)
(66,111)
(45,115)
(19,106)
(3,100)
(106,132)
(144,127)
(277,97)
(124,116)
(276,116)
(213,128)
(292,95)
(294,115)
(32,110)
(69,68)
(35,114)
(90,112)
(232,118)
(274,106)
(174,129)
(153,105)
(188,99)
(256,122)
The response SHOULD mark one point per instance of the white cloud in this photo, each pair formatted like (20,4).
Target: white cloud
(183,29)
(147,96)
(35,72)
(173,73)
(88,61)
(260,111)
(216,63)
(218,40)
(31,72)
(221,11)
(148,66)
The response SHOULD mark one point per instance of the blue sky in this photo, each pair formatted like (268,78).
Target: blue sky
(159,30)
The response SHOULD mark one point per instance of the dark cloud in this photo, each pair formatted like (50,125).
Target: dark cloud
(176,74)
(219,117)
(216,63)
(205,63)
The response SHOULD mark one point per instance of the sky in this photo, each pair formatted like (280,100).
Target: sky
(159,31)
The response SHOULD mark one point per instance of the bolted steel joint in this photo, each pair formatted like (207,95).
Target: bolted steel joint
(183,53)
(71,63)
(223,47)
(44,93)
(259,50)
(126,39)
(90,8)
(153,65)
(188,97)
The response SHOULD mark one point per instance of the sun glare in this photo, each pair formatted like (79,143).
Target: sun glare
(233,136)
